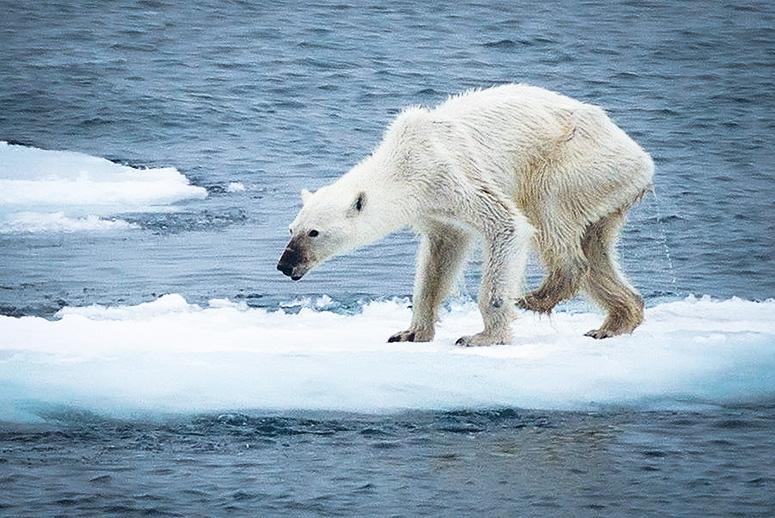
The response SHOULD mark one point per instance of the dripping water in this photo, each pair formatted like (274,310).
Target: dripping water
(663,237)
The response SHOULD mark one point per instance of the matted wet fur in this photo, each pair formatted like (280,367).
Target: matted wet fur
(598,273)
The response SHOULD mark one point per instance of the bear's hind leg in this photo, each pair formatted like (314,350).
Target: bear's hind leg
(561,283)
(440,258)
(605,283)
(566,267)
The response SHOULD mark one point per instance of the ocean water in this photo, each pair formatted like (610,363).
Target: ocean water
(153,361)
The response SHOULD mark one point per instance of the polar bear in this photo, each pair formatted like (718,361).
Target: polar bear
(516,165)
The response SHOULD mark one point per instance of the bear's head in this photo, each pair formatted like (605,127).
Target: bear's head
(331,222)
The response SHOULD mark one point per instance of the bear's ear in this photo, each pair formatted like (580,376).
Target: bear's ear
(357,206)
(305,194)
(360,201)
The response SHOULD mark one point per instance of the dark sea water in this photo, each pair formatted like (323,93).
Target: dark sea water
(282,96)
(496,463)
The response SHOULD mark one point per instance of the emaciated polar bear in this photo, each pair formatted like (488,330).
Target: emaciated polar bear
(517,165)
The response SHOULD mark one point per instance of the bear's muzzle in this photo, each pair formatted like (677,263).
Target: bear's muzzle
(292,261)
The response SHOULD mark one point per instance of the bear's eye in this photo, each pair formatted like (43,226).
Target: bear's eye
(313,233)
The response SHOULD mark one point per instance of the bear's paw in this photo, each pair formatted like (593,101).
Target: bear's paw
(537,303)
(599,334)
(412,335)
(482,339)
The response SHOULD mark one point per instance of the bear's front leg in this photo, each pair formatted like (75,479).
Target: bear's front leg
(441,255)
(505,257)
(497,314)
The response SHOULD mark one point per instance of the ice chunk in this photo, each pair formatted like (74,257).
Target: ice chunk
(43,190)
(170,355)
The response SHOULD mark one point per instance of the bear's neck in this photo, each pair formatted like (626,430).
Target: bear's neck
(389,205)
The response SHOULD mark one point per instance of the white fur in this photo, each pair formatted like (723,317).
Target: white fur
(514,165)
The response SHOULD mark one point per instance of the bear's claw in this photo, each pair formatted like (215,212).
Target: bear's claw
(411,336)
(480,340)
(464,341)
(403,336)
(599,334)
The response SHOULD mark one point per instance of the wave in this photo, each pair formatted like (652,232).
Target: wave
(66,191)
(172,356)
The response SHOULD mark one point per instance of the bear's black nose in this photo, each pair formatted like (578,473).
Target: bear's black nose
(290,259)
(285,268)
